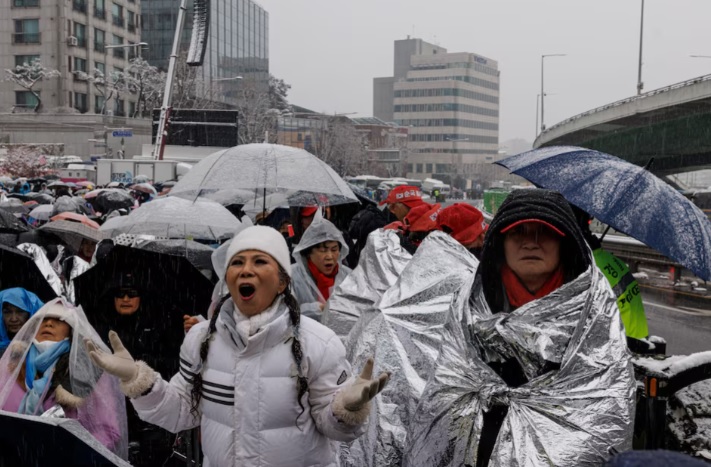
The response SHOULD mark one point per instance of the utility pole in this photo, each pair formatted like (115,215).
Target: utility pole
(543,92)
(640,84)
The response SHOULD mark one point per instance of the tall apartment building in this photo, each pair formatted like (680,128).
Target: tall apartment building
(449,101)
(238,43)
(69,36)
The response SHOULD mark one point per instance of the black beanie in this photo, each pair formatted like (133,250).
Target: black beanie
(549,206)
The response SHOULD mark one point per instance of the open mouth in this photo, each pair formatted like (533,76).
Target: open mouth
(246,291)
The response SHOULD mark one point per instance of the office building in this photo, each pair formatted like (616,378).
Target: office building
(449,102)
(238,43)
(70,37)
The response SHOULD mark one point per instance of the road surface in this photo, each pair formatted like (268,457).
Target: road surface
(687,330)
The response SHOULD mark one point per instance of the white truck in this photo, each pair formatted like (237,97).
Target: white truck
(125,170)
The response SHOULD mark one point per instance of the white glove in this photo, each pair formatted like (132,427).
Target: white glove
(120,364)
(137,378)
(352,403)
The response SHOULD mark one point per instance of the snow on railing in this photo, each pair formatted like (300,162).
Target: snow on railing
(628,100)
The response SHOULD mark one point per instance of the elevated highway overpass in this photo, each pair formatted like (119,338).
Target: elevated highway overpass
(671,124)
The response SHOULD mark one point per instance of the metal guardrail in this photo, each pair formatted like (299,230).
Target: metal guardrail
(628,100)
(639,253)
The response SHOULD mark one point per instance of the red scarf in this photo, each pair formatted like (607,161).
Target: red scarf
(519,295)
(323,282)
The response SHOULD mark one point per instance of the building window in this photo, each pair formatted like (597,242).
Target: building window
(428,168)
(79,5)
(101,67)
(100,9)
(25,99)
(119,52)
(80,34)
(120,109)
(131,109)
(25,3)
(419,169)
(80,102)
(99,40)
(131,23)
(79,64)
(99,104)
(25,60)
(117,15)
(26,31)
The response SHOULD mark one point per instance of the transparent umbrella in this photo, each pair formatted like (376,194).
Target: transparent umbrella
(265,169)
(176,218)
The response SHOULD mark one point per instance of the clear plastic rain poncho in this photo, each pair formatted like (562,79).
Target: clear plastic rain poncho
(382,261)
(578,414)
(303,283)
(92,397)
(403,334)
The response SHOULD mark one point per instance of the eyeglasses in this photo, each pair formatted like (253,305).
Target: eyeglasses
(130,293)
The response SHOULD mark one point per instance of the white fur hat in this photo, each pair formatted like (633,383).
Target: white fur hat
(261,238)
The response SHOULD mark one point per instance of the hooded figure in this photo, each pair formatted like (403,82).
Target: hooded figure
(534,369)
(319,266)
(17,305)
(47,369)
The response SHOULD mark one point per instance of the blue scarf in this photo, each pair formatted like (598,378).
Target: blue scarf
(44,364)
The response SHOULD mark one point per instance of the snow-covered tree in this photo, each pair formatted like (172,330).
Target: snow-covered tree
(26,161)
(28,75)
(147,83)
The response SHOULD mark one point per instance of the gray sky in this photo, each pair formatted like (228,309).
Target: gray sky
(330,50)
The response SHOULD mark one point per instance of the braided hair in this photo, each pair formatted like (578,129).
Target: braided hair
(302,383)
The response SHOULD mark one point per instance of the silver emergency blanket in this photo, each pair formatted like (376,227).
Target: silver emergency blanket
(403,333)
(575,415)
(43,265)
(381,262)
(79,267)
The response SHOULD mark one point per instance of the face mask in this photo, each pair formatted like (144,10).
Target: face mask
(43,346)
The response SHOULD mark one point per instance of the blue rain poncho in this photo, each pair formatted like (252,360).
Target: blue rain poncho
(21,298)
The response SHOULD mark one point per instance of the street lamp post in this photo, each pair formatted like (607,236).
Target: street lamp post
(543,92)
(640,84)
(124,46)
(538,104)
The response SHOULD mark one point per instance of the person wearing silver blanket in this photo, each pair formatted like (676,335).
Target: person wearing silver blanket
(534,370)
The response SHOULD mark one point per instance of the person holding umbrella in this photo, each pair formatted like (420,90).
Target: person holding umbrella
(319,266)
(151,333)
(538,338)
(267,386)
(17,305)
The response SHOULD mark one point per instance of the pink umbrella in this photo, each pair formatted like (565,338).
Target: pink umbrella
(73,216)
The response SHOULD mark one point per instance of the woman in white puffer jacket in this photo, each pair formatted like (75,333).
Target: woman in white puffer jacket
(267,386)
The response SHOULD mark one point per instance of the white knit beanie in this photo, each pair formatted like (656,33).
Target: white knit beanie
(261,238)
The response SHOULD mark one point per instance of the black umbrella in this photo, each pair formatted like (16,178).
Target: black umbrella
(198,254)
(171,279)
(32,440)
(41,198)
(10,223)
(110,200)
(15,208)
(18,269)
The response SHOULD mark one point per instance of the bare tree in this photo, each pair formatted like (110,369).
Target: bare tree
(341,146)
(28,75)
